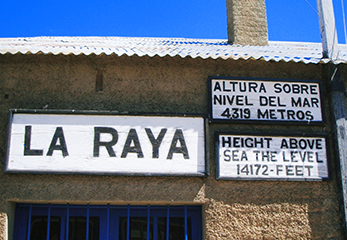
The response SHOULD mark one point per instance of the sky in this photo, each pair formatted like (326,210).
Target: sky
(288,20)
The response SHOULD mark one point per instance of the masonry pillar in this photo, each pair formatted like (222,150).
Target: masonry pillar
(247,23)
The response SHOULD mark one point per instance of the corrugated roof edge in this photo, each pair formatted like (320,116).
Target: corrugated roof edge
(184,47)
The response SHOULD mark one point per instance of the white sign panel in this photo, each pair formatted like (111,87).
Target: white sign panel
(110,144)
(271,157)
(265,100)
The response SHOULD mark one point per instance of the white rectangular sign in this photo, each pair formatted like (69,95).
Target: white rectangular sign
(265,100)
(271,157)
(106,144)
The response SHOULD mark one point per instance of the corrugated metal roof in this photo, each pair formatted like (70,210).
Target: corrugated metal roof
(183,47)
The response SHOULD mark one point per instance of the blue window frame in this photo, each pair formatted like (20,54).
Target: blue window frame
(107,222)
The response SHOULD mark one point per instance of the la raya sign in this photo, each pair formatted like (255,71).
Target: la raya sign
(240,99)
(106,144)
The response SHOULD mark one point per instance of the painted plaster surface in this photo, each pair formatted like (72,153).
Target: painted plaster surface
(232,209)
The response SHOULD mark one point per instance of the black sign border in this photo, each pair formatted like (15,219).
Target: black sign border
(106,113)
(320,135)
(211,119)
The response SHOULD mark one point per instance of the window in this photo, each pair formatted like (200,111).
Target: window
(106,222)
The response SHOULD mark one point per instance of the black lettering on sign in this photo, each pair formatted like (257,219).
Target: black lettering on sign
(58,135)
(225,89)
(216,99)
(305,102)
(272,114)
(244,156)
(299,170)
(279,168)
(235,156)
(238,100)
(262,88)
(239,86)
(227,156)
(227,98)
(217,87)
(253,85)
(303,143)
(300,115)
(225,141)
(132,137)
(314,89)
(27,143)
(264,114)
(178,137)
(290,170)
(308,170)
(281,111)
(319,161)
(107,145)
(277,87)
(296,88)
(291,114)
(309,115)
(272,101)
(155,141)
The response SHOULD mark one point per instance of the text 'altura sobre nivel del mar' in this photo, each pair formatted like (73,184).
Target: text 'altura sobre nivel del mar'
(267,100)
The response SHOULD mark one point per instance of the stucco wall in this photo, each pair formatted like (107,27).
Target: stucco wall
(232,209)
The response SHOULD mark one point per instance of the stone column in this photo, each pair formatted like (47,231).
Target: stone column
(247,23)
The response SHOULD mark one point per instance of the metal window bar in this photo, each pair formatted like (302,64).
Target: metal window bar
(185,223)
(148,221)
(67,221)
(48,221)
(108,208)
(155,228)
(108,222)
(87,223)
(167,222)
(128,223)
(29,221)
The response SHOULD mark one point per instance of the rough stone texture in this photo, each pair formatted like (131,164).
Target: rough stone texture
(232,209)
(247,23)
(3,226)
(271,221)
